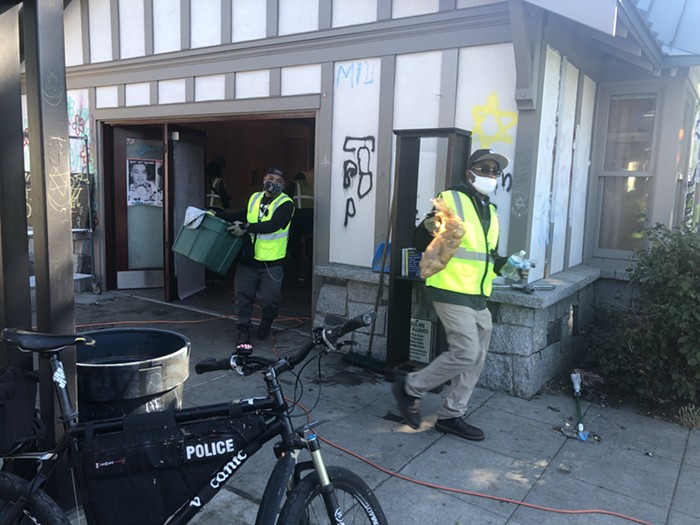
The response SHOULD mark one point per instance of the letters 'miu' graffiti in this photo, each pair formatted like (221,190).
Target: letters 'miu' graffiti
(356,73)
(356,171)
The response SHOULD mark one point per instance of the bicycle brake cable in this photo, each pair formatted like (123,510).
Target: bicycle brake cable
(297,399)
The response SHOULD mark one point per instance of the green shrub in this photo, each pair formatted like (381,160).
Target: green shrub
(653,351)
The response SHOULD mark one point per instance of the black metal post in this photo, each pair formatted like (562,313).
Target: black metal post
(15,298)
(51,195)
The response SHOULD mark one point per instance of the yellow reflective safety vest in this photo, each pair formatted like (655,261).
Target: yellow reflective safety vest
(470,271)
(213,198)
(303,195)
(268,246)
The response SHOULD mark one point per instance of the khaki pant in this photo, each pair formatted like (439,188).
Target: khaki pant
(468,335)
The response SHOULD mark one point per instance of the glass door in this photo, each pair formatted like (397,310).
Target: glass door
(138,184)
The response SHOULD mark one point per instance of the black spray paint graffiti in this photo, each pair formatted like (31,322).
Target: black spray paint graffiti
(356,171)
(507,181)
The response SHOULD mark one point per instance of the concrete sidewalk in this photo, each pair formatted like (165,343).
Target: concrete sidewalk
(526,471)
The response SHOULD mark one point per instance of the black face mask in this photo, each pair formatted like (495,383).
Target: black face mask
(273,188)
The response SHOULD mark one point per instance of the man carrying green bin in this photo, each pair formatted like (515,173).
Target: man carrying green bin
(260,270)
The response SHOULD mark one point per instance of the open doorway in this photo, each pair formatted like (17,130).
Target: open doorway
(244,148)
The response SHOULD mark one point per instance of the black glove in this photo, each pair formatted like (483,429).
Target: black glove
(432,223)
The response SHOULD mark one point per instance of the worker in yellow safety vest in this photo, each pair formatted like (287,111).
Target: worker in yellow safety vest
(459,292)
(217,196)
(260,270)
(302,230)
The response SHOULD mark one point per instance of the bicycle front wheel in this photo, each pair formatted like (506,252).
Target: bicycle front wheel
(39,509)
(305,504)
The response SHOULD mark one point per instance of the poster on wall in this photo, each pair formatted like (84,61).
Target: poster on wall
(144,182)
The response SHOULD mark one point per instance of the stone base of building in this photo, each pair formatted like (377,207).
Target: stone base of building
(82,260)
(536,337)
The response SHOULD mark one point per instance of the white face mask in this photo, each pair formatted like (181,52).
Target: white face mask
(484,185)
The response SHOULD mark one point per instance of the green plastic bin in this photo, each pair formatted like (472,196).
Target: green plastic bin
(209,244)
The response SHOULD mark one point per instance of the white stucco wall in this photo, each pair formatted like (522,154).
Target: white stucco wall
(209,87)
(249,20)
(100,20)
(138,94)
(299,80)
(205,23)
(354,161)
(417,106)
(297,16)
(73,34)
(132,39)
(166,26)
(351,12)
(251,84)
(404,8)
(106,97)
(486,107)
(171,91)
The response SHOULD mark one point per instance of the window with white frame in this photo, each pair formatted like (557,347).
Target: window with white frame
(625,179)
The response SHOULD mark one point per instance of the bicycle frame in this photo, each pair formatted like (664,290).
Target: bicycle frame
(273,408)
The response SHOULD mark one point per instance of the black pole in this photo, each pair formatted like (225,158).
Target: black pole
(15,298)
(51,198)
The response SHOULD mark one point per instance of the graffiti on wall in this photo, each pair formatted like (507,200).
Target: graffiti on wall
(488,114)
(58,191)
(355,74)
(357,174)
(352,161)
(493,125)
(79,194)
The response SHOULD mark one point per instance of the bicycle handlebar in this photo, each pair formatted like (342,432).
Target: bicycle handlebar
(327,337)
(331,335)
(210,364)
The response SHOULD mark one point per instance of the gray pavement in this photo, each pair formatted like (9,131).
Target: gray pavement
(631,469)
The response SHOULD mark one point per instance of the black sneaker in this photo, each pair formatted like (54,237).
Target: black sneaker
(264,328)
(458,427)
(408,405)
(243,339)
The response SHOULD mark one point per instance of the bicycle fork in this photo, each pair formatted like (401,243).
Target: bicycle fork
(330,499)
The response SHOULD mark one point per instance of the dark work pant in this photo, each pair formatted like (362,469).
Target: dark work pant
(263,284)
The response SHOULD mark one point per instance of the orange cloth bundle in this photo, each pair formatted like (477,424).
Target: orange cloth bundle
(447,239)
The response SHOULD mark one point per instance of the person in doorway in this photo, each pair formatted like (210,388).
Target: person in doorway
(260,270)
(302,229)
(459,292)
(217,197)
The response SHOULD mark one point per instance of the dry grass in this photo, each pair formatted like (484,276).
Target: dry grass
(689,416)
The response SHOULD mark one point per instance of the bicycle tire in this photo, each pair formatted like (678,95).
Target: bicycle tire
(40,509)
(304,505)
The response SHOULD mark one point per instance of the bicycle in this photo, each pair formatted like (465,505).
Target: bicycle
(200,448)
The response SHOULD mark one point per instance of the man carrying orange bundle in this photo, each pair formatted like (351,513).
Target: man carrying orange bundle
(458,282)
